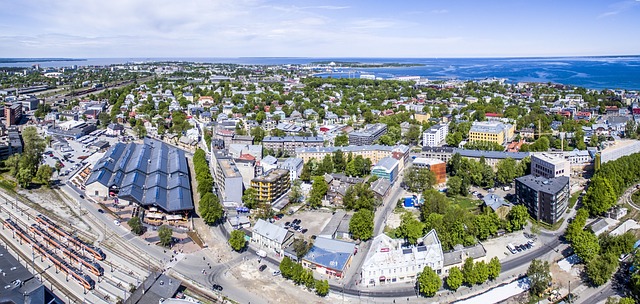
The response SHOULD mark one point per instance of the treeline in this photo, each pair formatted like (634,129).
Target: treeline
(209,206)
(610,181)
(465,172)
(26,167)
(295,272)
(337,162)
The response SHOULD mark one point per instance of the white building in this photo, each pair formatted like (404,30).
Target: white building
(294,165)
(388,262)
(435,135)
(267,235)
(549,166)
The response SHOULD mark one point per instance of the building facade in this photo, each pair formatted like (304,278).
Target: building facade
(13,113)
(438,167)
(386,168)
(294,165)
(549,166)
(496,132)
(228,180)
(270,236)
(435,135)
(290,143)
(368,136)
(373,152)
(545,199)
(272,185)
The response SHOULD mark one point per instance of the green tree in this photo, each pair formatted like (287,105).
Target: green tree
(322,287)
(341,140)
(482,272)
(454,280)
(210,209)
(250,198)
(258,134)
(339,163)
(318,190)
(419,179)
(410,228)
(165,234)
(600,269)
(413,134)
(518,216)
(539,276)
(13,164)
(300,247)
(43,176)
(429,282)
(455,186)
(136,225)
(600,195)
(236,240)
(468,272)
(494,268)
(361,225)
(507,171)
(585,244)
(25,175)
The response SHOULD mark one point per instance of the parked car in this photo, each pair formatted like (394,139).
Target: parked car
(304,230)
(287,224)
(216,287)
(262,267)
(100,211)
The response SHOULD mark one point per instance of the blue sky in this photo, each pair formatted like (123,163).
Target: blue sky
(261,28)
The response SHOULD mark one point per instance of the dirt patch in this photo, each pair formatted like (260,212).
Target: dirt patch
(52,204)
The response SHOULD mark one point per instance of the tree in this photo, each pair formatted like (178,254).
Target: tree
(410,228)
(136,225)
(507,171)
(258,134)
(453,139)
(413,134)
(301,247)
(482,272)
(237,240)
(43,176)
(296,196)
(339,163)
(318,189)
(361,225)
(600,195)
(341,140)
(454,280)
(539,276)
(494,268)
(429,282)
(419,179)
(250,198)
(454,186)
(518,216)
(141,131)
(468,272)
(210,209)
(322,287)
(600,269)
(24,177)
(585,244)
(165,234)
(13,164)
(307,170)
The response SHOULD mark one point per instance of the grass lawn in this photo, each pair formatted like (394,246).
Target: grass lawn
(573,199)
(467,202)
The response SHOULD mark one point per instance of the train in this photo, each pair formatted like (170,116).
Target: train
(96,252)
(93,267)
(85,280)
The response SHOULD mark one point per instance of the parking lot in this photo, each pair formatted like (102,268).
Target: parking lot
(313,221)
(498,246)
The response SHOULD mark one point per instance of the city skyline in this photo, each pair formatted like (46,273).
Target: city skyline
(255,28)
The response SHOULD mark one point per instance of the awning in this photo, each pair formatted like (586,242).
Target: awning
(382,278)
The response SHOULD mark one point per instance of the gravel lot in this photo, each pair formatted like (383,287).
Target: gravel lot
(498,246)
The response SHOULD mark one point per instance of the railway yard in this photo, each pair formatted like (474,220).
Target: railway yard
(65,259)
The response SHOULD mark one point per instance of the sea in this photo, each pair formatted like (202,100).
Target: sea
(598,72)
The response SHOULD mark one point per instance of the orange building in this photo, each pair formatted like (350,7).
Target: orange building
(438,167)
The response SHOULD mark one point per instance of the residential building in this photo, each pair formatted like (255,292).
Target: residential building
(497,204)
(390,261)
(368,136)
(114,129)
(438,167)
(549,166)
(272,185)
(150,174)
(441,153)
(373,152)
(546,199)
(12,113)
(493,131)
(290,143)
(270,236)
(386,168)
(294,165)
(228,180)
(456,256)
(435,136)
(329,257)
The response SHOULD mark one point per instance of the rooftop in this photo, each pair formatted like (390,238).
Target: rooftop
(271,176)
(228,167)
(488,127)
(427,161)
(551,185)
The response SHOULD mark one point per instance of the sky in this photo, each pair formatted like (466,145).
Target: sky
(329,28)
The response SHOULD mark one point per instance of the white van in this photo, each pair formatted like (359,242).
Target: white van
(261,253)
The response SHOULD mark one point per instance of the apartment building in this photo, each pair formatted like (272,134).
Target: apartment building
(272,185)
(13,113)
(435,136)
(493,131)
(290,143)
(373,152)
(368,136)
(228,180)
(546,199)
(549,166)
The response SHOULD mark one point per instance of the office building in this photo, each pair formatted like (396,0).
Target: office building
(272,185)
(368,136)
(546,199)
(549,166)
(228,180)
(438,167)
(435,135)
(13,113)
(290,143)
(386,168)
(496,132)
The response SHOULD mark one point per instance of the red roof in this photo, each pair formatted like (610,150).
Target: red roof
(492,114)
(247,157)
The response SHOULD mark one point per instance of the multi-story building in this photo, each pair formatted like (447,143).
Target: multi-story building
(438,167)
(294,165)
(546,199)
(368,136)
(389,261)
(549,166)
(228,180)
(386,168)
(272,184)
(290,143)
(13,113)
(496,132)
(270,236)
(435,135)
(373,152)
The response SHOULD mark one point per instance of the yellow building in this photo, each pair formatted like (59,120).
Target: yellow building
(373,152)
(496,132)
(422,117)
(272,185)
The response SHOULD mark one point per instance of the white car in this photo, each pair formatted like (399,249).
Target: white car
(116,222)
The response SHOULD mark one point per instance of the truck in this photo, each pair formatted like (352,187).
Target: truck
(261,253)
